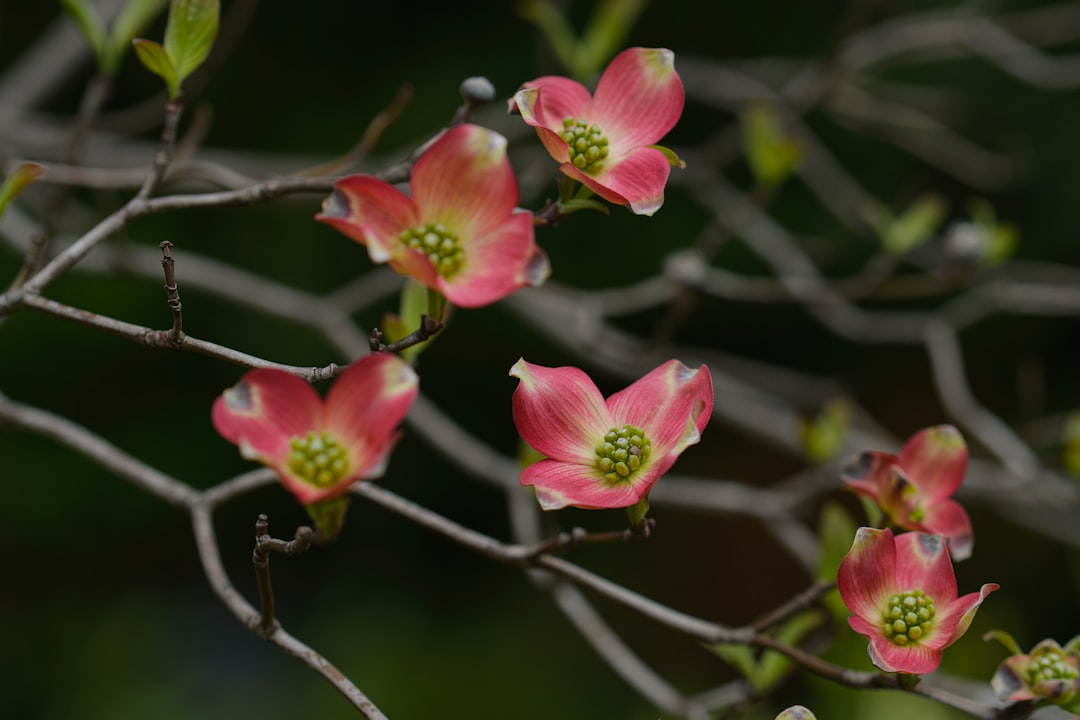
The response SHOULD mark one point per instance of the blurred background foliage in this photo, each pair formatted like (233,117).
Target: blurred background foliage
(104,609)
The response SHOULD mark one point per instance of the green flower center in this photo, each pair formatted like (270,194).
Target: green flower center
(1050,664)
(588,146)
(908,617)
(622,452)
(439,244)
(917,514)
(318,459)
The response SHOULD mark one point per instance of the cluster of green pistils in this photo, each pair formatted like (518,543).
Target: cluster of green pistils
(908,617)
(588,146)
(622,452)
(1050,663)
(318,459)
(439,244)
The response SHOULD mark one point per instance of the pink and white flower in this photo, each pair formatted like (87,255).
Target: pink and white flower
(1048,674)
(459,233)
(902,592)
(607,141)
(915,487)
(606,453)
(319,449)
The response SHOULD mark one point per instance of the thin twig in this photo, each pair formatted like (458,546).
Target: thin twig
(172,293)
(375,129)
(260,558)
(165,150)
(214,569)
(61,430)
(805,599)
(429,327)
(164,339)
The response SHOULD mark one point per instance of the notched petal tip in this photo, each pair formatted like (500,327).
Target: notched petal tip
(519,369)
(865,535)
(488,147)
(858,468)
(1009,683)
(659,57)
(549,499)
(239,397)
(524,101)
(334,207)
(537,269)
(929,546)
(961,546)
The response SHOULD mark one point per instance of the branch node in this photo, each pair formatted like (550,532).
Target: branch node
(172,293)
(429,326)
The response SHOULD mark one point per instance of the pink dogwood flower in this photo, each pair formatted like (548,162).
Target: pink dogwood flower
(914,488)
(902,592)
(317,448)
(607,141)
(606,453)
(1049,674)
(459,233)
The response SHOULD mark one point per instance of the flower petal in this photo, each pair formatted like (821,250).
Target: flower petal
(370,211)
(367,402)
(559,412)
(415,264)
(547,101)
(935,460)
(922,563)
(868,474)
(1010,679)
(951,624)
(264,410)
(497,263)
(561,484)
(867,574)
(464,181)
(635,180)
(672,404)
(639,97)
(947,517)
(916,659)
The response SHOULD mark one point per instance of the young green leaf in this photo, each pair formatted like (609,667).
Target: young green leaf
(740,657)
(1005,639)
(157,61)
(823,436)
(192,28)
(1000,239)
(914,226)
(86,17)
(17,181)
(836,528)
(131,21)
(772,155)
(772,667)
